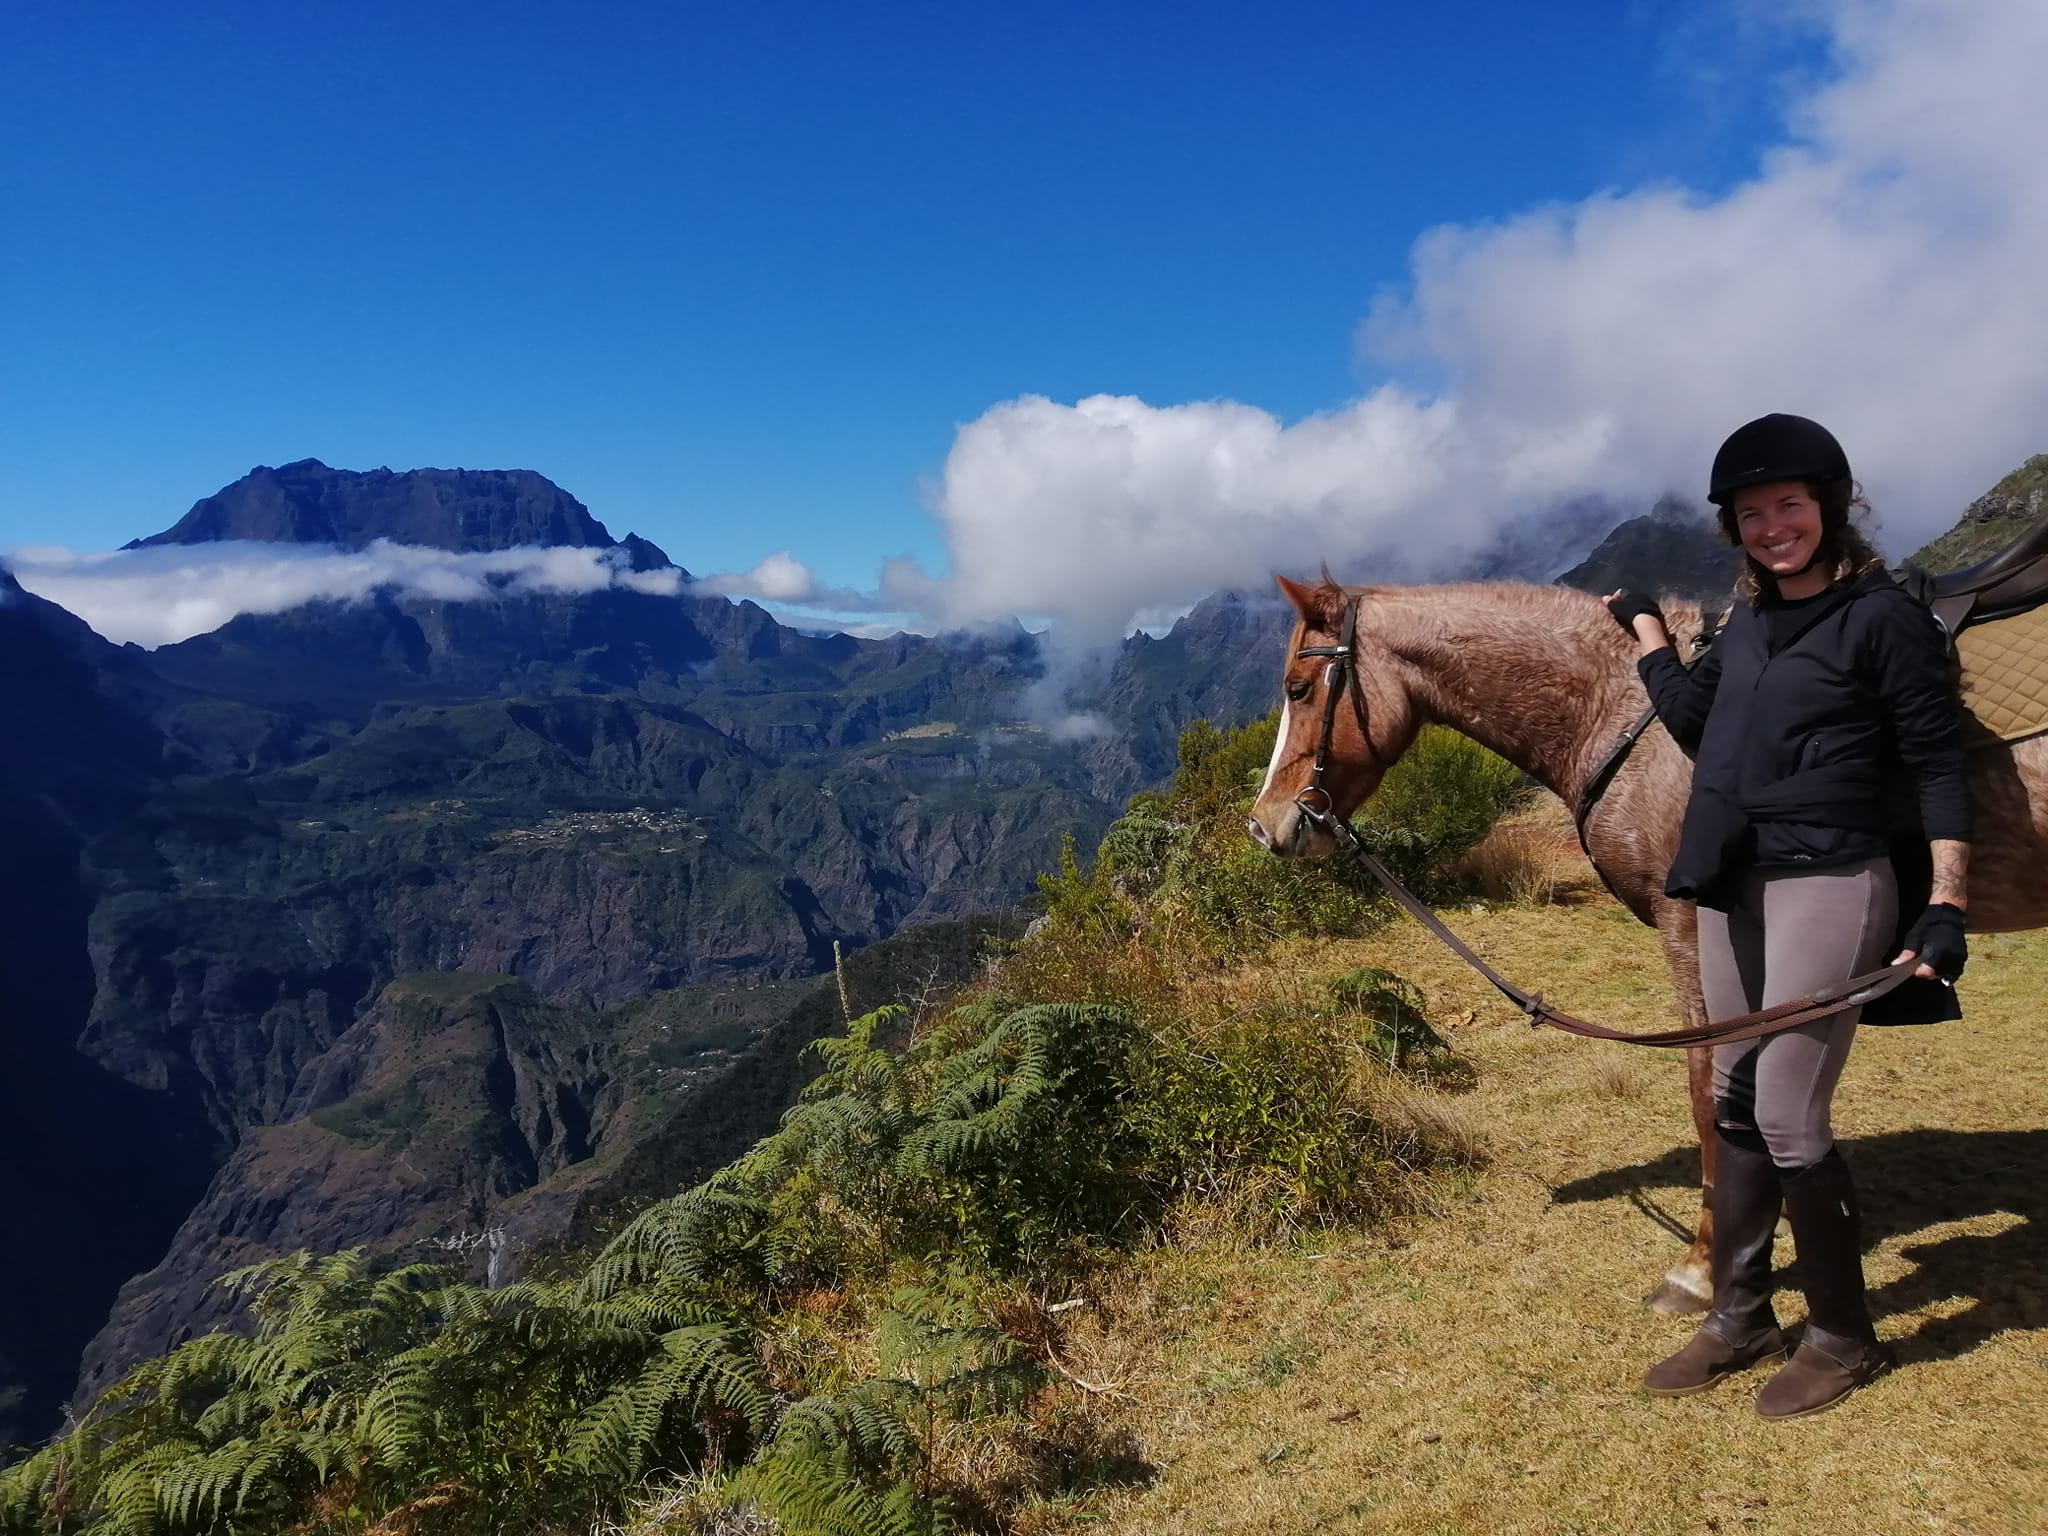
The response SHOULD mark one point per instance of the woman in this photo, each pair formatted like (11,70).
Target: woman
(1826,679)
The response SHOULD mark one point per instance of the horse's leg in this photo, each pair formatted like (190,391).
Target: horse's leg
(1687,1286)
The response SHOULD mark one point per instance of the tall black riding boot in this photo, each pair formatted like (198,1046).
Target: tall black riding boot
(1741,1329)
(1839,1351)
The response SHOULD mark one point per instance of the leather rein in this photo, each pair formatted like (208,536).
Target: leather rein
(1341,679)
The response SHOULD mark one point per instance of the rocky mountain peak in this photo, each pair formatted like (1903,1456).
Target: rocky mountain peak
(307,502)
(646,555)
(1674,549)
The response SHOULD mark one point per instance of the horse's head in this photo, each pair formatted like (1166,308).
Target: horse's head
(1357,699)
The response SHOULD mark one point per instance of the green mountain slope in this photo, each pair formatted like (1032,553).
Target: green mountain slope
(1992,521)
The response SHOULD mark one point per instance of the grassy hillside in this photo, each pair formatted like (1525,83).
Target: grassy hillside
(1473,1372)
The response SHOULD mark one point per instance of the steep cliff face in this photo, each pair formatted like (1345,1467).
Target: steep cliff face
(593,847)
(1221,662)
(93,1170)
(451,1093)
(463,1119)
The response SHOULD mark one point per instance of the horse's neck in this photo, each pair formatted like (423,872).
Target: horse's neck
(1529,672)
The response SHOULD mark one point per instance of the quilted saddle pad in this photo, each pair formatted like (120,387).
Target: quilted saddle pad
(2005,676)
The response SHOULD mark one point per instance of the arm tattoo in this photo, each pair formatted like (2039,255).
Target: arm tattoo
(1951,871)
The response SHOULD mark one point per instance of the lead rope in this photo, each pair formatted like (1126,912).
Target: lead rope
(1341,676)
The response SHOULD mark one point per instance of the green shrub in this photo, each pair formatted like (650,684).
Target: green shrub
(1439,800)
(1398,1032)
(1179,866)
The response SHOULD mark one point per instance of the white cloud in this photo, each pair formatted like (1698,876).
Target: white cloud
(171,592)
(778,579)
(903,601)
(1880,273)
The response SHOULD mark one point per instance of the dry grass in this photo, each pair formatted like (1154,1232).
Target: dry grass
(1476,1373)
(1529,859)
(1613,1074)
(687,1507)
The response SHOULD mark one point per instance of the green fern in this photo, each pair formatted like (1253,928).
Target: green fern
(843,1466)
(700,1367)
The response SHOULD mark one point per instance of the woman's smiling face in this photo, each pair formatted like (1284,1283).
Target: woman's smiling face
(1779,525)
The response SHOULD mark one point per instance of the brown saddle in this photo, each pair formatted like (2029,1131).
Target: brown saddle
(2011,581)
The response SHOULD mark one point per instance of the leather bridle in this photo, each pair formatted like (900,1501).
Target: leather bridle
(1341,678)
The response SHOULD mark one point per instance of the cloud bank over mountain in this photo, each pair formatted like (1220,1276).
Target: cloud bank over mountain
(166,593)
(1880,272)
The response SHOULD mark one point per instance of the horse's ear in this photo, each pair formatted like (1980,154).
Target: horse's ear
(1318,607)
(1307,600)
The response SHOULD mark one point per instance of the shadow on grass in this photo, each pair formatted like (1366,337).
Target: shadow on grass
(1911,1182)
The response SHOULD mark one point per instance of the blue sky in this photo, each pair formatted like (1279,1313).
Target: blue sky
(734,274)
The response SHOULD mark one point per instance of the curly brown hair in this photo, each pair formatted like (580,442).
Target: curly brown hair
(1846,552)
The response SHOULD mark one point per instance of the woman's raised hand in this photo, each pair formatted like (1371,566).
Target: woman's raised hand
(1640,616)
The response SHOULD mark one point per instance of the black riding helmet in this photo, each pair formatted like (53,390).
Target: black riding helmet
(1776,447)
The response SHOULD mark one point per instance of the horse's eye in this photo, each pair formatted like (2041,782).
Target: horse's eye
(1299,689)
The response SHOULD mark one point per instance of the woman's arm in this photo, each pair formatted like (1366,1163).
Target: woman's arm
(1951,872)
(1910,663)
(1682,697)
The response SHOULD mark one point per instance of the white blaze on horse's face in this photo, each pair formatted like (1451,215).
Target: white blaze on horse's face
(1275,838)
(1279,747)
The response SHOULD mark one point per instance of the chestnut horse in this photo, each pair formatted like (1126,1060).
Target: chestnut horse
(1544,677)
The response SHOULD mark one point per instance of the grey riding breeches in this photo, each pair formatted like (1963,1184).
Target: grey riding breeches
(1791,932)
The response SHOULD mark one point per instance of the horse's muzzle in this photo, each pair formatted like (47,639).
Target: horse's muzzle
(1299,838)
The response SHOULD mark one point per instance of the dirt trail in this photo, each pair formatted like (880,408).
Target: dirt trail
(1475,1373)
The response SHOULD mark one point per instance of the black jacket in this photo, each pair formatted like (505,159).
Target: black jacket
(1801,724)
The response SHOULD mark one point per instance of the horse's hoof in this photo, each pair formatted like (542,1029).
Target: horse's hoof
(1675,1300)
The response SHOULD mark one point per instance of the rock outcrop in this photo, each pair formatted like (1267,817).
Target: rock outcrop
(94,1171)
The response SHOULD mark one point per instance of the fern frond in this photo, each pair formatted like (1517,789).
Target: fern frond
(235,1410)
(128,1501)
(693,1235)
(396,1421)
(698,1368)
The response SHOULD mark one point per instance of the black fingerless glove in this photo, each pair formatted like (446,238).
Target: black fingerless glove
(1937,938)
(1630,606)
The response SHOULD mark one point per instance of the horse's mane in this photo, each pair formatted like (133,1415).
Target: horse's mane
(1519,598)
